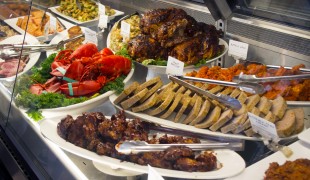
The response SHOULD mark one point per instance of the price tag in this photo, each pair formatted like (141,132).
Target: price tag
(103,21)
(174,66)
(101,8)
(46,30)
(53,24)
(125,30)
(153,174)
(263,127)
(90,36)
(238,49)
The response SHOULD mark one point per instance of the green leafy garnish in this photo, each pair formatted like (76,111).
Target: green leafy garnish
(117,85)
(42,73)
(157,62)
(35,114)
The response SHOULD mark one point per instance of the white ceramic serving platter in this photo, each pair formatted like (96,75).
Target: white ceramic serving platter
(12,22)
(257,170)
(170,123)
(232,163)
(305,136)
(34,57)
(54,10)
(83,106)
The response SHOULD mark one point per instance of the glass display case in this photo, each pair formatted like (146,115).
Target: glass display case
(128,44)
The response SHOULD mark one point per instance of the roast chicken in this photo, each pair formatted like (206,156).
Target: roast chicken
(173,32)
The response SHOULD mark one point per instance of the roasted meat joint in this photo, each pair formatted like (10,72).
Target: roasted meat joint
(97,133)
(172,32)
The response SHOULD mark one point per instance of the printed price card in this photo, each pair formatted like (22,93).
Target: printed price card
(263,127)
(125,30)
(53,23)
(46,30)
(103,21)
(174,66)
(101,8)
(90,36)
(238,49)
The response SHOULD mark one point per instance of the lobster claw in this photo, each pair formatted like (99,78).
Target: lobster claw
(81,88)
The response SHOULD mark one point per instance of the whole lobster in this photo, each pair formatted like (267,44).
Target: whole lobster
(83,71)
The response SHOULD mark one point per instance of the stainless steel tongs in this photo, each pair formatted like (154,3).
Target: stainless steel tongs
(134,147)
(13,50)
(225,100)
(242,78)
(249,87)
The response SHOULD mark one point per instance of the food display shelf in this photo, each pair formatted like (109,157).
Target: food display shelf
(51,161)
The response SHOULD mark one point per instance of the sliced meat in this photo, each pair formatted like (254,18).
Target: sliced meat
(174,104)
(135,98)
(247,123)
(147,104)
(211,118)
(264,105)
(185,102)
(235,93)
(242,97)
(152,91)
(194,112)
(163,105)
(279,107)
(286,126)
(252,101)
(224,118)
(299,115)
(227,91)
(202,113)
(242,110)
(148,84)
(235,122)
(270,117)
(249,132)
(127,91)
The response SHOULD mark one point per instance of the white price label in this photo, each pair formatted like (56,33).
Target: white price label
(101,9)
(103,21)
(263,127)
(46,30)
(174,66)
(125,29)
(90,36)
(53,24)
(238,49)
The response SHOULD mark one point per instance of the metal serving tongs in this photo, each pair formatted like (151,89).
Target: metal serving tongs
(225,100)
(13,50)
(242,78)
(134,147)
(248,62)
(249,87)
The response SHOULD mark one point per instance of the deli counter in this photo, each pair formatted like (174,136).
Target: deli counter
(117,64)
